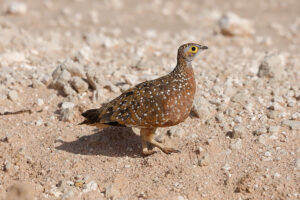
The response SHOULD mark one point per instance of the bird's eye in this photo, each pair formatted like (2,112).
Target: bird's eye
(193,49)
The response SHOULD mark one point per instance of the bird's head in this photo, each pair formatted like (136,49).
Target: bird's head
(187,52)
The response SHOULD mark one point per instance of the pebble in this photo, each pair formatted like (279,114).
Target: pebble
(13,95)
(262,139)
(204,160)
(40,102)
(68,90)
(201,108)
(220,117)
(273,114)
(274,129)
(240,97)
(79,85)
(17,8)
(176,132)
(67,105)
(233,25)
(96,95)
(91,186)
(272,66)
(238,131)
(260,131)
(292,124)
(237,144)
(66,114)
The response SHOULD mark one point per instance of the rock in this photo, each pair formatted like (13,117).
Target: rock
(74,68)
(60,79)
(17,8)
(96,95)
(13,95)
(40,102)
(220,117)
(131,79)
(111,87)
(91,186)
(238,131)
(67,105)
(94,77)
(79,85)
(292,124)
(237,144)
(232,25)
(68,90)
(176,132)
(84,54)
(67,115)
(240,97)
(204,160)
(262,139)
(201,108)
(272,66)
(260,131)
(274,129)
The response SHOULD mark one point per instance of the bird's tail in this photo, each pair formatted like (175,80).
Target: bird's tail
(92,116)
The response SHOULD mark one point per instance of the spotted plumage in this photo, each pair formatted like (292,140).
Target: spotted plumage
(162,102)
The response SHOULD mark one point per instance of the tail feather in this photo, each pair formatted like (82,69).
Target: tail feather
(92,116)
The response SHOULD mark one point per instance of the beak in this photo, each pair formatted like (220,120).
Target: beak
(203,47)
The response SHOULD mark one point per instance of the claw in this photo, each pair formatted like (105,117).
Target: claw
(169,150)
(148,152)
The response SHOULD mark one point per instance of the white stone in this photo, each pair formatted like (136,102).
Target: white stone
(232,25)
(272,66)
(17,8)
(91,186)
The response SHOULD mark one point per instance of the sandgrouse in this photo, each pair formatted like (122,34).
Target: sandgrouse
(162,102)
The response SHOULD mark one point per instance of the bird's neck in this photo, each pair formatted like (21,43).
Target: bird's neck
(183,67)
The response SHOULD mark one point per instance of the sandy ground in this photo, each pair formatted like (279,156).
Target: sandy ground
(244,144)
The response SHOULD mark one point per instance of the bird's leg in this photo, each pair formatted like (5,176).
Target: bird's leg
(144,135)
(148,136)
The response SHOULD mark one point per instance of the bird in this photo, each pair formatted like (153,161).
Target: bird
(162,102)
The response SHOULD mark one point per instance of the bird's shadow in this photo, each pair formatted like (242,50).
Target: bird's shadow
(111,141)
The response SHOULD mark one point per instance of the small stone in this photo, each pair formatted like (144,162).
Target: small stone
(262,139)
(260,131)
(273,114)
(13,95)
(220,117)
(272,66)
(232,25)
(66,115)
(79,85)
(240,97)
(67,104)
(293,124)
(17,8)
(79,184)
(201,108)
(238,131)
(237,144)
(40,102)
(274,129)
(96,95)
(68,90)
(204,160)
(111,87)
(39,122)
(176,132)
(60,79)
(91,186)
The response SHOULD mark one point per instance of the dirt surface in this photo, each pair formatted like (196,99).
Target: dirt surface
(59,58)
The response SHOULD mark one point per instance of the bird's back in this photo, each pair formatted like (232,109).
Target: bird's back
(165,101)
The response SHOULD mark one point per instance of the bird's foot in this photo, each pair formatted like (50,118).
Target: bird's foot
(148,152)
(169,150)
